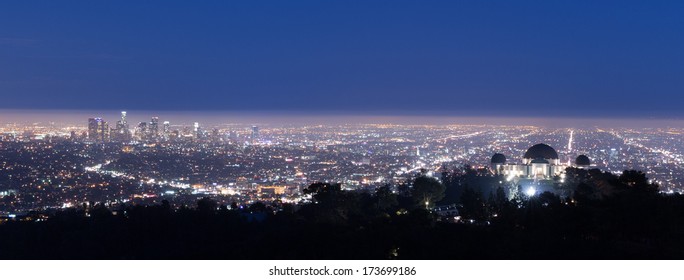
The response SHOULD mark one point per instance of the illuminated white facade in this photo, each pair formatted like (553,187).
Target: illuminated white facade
(540,162)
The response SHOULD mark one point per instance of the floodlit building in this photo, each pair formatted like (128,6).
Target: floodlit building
(540,162)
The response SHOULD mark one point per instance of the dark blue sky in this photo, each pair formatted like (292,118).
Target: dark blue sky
(413,57)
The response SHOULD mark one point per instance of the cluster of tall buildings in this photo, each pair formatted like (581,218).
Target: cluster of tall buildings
(151,130)
(99,130)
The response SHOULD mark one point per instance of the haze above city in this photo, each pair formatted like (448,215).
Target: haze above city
(612,59)
(280,118)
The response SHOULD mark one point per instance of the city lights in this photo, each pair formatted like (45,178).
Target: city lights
(244,162)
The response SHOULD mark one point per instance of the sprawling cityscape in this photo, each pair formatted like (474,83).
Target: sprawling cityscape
(360,138)
(47,167)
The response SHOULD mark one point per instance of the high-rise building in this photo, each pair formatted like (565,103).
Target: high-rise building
(154,128)
(197,130)
(141,131)
(98,130)
(123,116)
(103,131)
(122,132)
(255,133)
(167,130)
(92,128)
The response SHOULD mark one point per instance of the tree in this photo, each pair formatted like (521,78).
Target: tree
(501,199)
(638,182)
(100,212)
(385,199)
(331,204)
(473,205)
(549,199)
(257,207)
(324,193)
(207,205)
(426,191)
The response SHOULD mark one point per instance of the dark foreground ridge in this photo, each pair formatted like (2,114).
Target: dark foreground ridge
(608,217)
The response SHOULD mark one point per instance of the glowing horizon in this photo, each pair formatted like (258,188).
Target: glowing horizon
(330,118)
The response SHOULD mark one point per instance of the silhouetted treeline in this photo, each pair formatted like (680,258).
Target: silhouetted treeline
(608,217)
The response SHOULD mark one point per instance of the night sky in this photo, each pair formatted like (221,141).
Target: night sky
(519,58)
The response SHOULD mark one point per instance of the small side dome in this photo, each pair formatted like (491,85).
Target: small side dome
(498,159)
(582,160)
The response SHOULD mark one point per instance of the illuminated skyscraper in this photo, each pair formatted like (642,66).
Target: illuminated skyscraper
(122,132)
(92,128)
(103,130)
(255,133)
(98,130)
(154,128)
(141,131)
(197,130)
(167,130)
